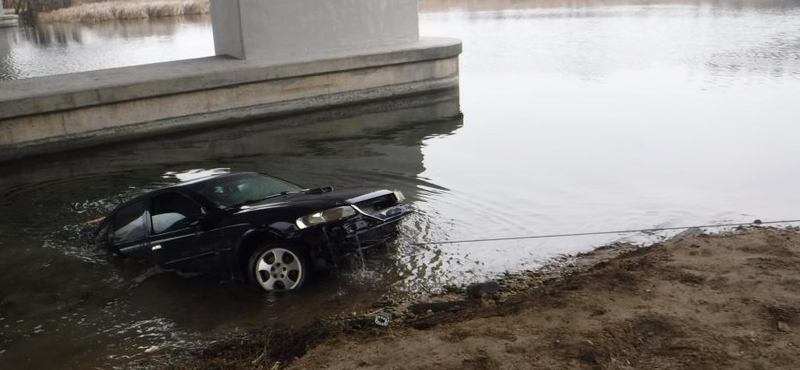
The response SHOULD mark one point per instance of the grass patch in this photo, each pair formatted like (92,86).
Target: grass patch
(114,10)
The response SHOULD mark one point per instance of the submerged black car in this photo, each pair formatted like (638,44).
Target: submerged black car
(250,226)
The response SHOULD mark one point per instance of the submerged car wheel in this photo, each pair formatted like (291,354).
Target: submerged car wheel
(280,267)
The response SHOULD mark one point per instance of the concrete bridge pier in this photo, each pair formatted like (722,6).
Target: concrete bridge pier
(289,56)
(7,20)
(283,30)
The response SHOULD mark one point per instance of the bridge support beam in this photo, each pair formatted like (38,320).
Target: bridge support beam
(8,20)
(286,30)
(294,56)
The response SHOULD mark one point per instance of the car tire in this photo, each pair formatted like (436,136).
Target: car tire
(279,267)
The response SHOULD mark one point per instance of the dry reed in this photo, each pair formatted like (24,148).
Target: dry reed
(112,10)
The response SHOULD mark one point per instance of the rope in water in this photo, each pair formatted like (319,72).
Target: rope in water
(651,230)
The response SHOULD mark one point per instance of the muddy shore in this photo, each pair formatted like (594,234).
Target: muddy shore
(724,301)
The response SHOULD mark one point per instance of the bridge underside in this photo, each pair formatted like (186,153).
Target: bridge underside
(326,64)
(47,114)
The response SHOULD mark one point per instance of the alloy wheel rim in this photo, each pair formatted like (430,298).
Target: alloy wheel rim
(278,269)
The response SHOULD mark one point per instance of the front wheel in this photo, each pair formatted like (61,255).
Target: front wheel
(279,268)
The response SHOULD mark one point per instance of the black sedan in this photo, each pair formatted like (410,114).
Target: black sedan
(250,226)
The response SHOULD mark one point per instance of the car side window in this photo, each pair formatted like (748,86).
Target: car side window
(129,223)
(173,211)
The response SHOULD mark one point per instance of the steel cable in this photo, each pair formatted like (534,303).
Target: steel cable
(651,230)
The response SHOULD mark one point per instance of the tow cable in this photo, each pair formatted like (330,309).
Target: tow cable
(651,230)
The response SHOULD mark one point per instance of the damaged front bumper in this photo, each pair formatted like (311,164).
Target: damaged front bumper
(365,222)
(365,229)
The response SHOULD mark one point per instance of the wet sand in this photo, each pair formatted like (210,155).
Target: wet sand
(728,301)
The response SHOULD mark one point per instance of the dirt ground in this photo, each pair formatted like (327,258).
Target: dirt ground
(698,302)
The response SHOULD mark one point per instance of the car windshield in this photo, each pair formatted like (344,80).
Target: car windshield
(234,191)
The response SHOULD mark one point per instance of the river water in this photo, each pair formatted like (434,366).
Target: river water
(570,117)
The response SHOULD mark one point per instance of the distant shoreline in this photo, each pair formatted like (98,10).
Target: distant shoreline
(117,10)
(110,10)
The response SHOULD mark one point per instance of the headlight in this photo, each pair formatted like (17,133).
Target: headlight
(399,196)
(328,215)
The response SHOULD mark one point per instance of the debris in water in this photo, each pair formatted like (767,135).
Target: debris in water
(381,321)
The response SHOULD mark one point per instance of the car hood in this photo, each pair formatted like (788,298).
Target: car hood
(317,199)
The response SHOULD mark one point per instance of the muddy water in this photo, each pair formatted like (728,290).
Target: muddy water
(576,117)
(84,309)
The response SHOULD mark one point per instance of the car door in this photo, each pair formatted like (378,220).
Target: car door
(177,240)
(129,229)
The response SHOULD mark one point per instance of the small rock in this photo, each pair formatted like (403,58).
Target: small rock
(435,307)
(480,290)
(784,327)
(688,233)
(452,289)
(383,303)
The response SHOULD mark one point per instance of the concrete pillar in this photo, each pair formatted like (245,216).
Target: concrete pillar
(290,30)
(7,20)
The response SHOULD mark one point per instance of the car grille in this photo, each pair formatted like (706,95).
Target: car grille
(377,204)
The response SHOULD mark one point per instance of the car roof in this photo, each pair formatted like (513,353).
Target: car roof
(178,185)
(208,177)
(172,186)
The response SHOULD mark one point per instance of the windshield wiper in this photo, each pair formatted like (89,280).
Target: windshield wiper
(251,201)
(287,192)
(323,190)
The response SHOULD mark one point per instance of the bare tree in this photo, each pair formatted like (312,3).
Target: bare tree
(29,9)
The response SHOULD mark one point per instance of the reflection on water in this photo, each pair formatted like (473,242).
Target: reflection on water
(475,6)
(576,118)
(59,48)
(586,118)
(720,40)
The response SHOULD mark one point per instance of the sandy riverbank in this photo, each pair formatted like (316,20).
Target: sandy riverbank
(727,301)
